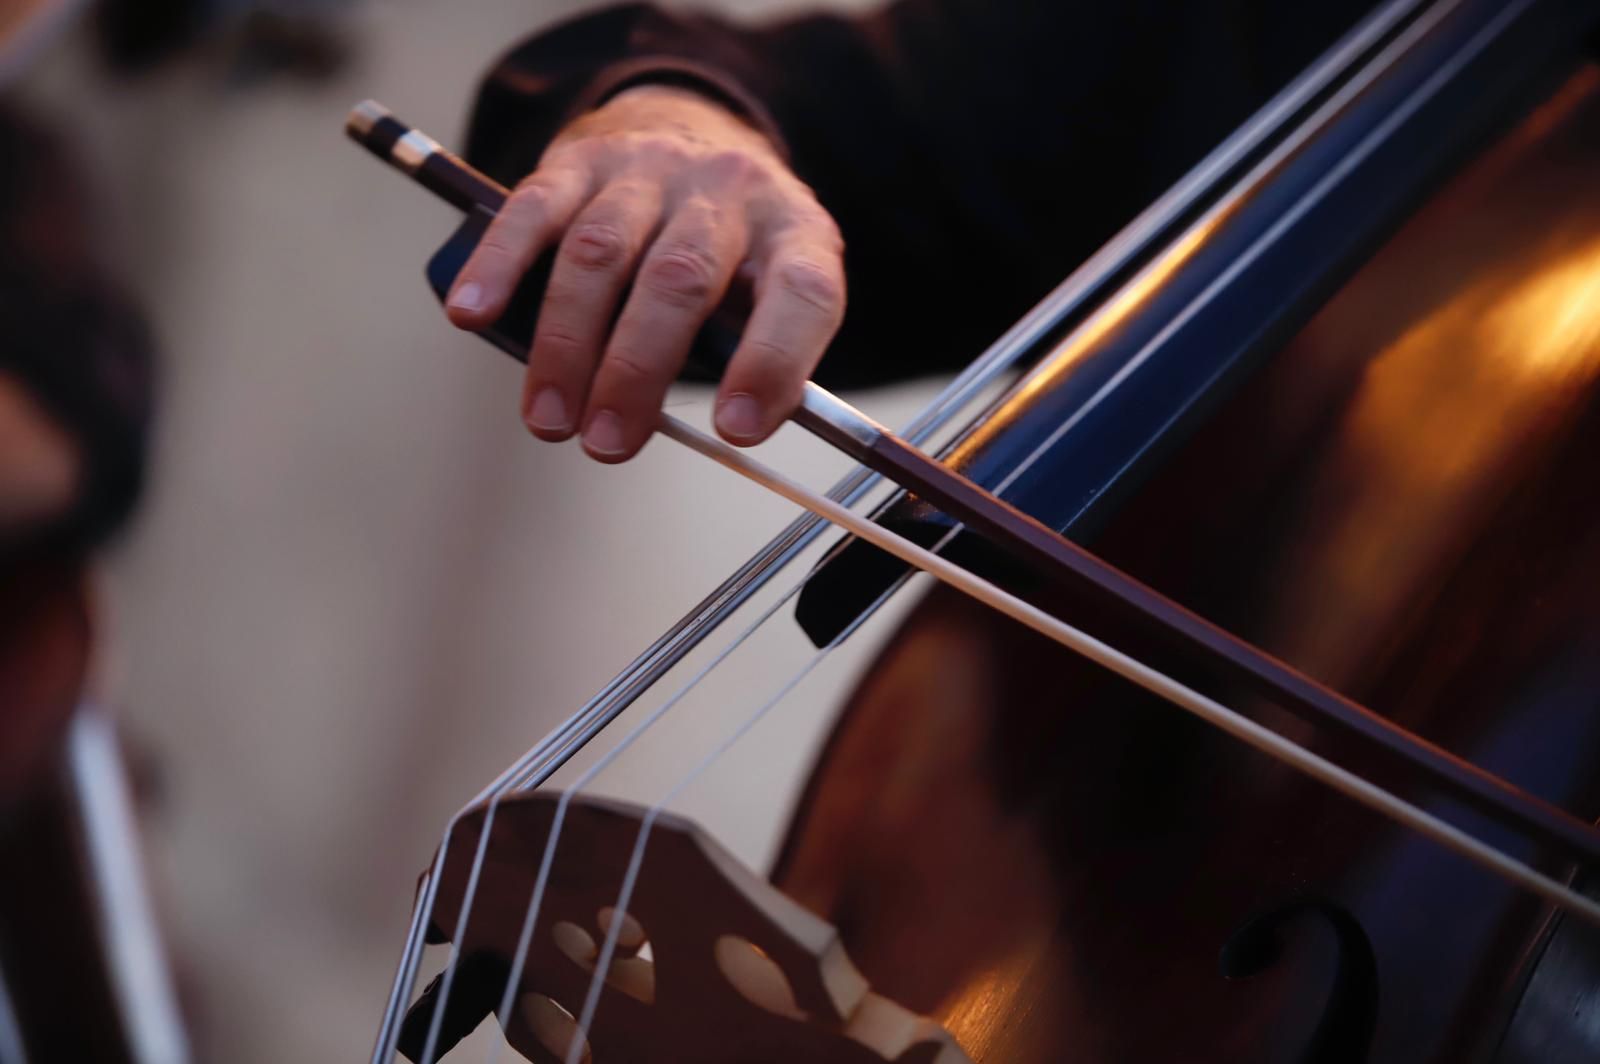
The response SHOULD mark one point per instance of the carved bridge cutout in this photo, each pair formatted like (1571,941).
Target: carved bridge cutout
(713,963)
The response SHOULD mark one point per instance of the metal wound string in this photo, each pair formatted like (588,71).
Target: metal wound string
(547,860)
(525,768)
(525,937)
(630,878)
(546,864)
(436,1022)
(497,791)
(575,731)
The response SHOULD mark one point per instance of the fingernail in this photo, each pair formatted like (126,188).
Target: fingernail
(739,416)
(548,411)
(468,297)
(604,434)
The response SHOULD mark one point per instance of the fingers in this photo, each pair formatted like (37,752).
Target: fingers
(592,268)
(536,212)
(681,280)
(800,301)
(603,194)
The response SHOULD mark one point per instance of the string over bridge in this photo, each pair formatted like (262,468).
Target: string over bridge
(714,964)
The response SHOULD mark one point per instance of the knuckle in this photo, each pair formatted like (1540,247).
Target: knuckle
(812,283)
(629,370)
(682,274)
(531,194)
(596,245)
(773,358)
(559,350)
(566,150)
(702,212)
(628,191)
(653,149)
(730,164)
(493,247)
(668,148)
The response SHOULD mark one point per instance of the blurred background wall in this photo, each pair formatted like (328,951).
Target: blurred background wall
(356,589)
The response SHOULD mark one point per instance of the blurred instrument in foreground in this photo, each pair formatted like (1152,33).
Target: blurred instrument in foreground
(83,975)
(83,971)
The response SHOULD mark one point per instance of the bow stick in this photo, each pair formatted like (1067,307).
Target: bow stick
(1229,720)
(1050,554)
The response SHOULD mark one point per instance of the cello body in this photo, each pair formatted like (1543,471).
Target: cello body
(1396,495)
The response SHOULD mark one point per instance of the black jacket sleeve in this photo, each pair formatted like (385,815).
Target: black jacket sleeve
(972,151)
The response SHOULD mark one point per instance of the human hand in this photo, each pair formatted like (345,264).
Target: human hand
(666,198)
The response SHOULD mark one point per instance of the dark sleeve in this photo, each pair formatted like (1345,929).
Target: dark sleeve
(972,151)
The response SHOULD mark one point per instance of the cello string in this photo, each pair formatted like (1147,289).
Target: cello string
(518,777)
(557,746)
(547,859)
(525,938)
(1231,721)
(506,784)
(525,935)
(553,750)
(447,979)
(647,823)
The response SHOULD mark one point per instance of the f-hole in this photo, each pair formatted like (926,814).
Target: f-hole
(1343,1034)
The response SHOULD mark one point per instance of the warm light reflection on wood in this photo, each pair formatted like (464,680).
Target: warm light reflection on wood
(1550,325)
(982,1015)
(1496,287)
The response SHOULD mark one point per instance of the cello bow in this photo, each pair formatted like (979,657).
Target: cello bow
(1041,549)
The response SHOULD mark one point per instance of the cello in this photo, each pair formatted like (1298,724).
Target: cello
(1369,320)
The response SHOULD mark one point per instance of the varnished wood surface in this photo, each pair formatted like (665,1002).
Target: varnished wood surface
(1403,505)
